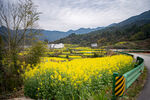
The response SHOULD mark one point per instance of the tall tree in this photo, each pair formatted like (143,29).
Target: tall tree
(19,18)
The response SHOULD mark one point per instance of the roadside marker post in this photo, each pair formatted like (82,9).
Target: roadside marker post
(118,85)
(114,81)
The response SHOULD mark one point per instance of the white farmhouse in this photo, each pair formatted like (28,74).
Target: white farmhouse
(94,45)
(56,46)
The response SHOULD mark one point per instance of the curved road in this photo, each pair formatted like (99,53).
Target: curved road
(145,93)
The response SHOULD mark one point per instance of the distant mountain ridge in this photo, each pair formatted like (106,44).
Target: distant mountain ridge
(138,20)
(132,29)
(141,17)
(55,35)
(84,30)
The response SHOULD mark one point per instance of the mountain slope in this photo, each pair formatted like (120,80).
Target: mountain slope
(55,35)
(84,30)
(144,17)
(52,35)
(132,29)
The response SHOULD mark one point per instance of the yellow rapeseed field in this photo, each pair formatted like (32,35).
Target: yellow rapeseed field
(75,75)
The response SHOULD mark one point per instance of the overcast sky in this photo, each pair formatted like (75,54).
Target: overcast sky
(64,15)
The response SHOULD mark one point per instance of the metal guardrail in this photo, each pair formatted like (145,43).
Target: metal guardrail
(123,82)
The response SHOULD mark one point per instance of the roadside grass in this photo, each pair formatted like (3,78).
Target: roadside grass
(105,94)
(19,92)
(134,90)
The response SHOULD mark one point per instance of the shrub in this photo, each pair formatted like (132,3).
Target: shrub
(37,50)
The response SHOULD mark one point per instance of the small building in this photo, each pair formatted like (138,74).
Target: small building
(26,46)
(94,45)
(56,46)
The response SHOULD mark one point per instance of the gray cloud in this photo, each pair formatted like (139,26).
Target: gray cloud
(73,14)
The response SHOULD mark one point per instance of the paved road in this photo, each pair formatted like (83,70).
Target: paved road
(145,93)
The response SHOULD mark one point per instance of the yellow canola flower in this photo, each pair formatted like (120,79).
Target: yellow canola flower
(78,71)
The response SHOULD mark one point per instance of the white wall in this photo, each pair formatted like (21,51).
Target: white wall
(94,45)
(56,46)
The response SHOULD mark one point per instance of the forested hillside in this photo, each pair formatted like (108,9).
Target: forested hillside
(130,31)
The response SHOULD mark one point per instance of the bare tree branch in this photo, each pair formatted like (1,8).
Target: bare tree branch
(18,18)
